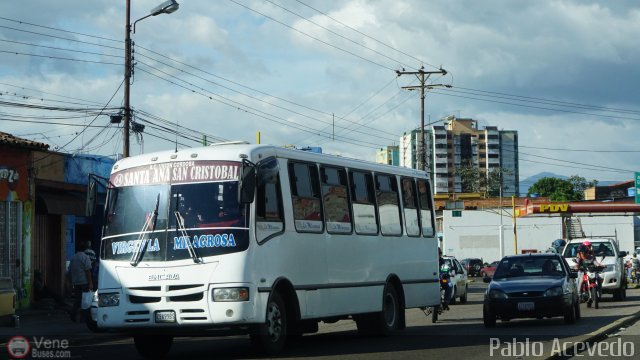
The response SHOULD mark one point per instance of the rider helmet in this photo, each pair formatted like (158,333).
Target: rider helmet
(586,243)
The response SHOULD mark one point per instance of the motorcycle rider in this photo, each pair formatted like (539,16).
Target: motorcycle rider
(585,259)
(445,270)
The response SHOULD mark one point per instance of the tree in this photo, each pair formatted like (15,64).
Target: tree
(475,181)
(561,190)
(470,176)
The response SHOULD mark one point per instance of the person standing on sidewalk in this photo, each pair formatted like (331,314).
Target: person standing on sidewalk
(80,274)
(94,264)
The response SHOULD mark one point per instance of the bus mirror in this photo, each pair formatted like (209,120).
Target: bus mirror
(92,195)
(247,182)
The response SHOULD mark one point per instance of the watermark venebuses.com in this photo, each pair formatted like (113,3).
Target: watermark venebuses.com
(39,347)
(526,347)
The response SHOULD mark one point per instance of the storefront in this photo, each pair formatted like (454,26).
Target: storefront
(16,211)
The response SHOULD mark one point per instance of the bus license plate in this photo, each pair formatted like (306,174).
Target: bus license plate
(525,306)
(168,316)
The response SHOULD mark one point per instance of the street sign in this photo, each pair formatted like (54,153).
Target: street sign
(637,187)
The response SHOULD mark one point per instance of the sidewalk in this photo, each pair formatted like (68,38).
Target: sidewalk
(52,323)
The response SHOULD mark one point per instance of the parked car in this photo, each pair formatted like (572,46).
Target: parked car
(488,270)
(531,286)
(458,278)
(472,265)
(607,253)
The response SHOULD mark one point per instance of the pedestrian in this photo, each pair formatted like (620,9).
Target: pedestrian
(80,275)
(94,264)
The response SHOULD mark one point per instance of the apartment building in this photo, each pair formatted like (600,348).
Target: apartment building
(460,142)
(389,155)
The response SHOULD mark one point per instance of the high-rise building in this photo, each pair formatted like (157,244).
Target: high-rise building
(389,155)
(459,143)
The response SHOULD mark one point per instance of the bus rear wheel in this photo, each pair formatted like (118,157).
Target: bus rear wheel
(385,321)
(153,346)
(270,337)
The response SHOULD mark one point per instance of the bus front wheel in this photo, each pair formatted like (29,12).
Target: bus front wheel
(153,347)
(270,337)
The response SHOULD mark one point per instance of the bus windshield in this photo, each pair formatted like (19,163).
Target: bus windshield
(211,220)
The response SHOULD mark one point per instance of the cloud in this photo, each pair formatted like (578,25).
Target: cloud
(223,69)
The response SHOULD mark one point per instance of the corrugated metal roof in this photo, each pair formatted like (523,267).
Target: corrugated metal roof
(8,139)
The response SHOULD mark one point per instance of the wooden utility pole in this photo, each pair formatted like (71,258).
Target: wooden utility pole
(422,76)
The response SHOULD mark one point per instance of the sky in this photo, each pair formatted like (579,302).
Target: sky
(564,74)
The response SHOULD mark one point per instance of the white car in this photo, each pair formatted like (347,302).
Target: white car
(607,253)
(458,278)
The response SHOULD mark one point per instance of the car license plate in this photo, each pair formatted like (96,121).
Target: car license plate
(168,316)
(525,306)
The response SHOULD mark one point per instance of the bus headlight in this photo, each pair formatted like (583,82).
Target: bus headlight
(108,299)
(231,294)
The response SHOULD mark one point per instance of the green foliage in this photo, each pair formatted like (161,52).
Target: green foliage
(475,181)
(561,190)
(470,177)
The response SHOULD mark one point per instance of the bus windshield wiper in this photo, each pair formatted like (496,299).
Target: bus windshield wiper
(141,245)
(185,235)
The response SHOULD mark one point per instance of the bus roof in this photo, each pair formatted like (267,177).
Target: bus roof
(235,151)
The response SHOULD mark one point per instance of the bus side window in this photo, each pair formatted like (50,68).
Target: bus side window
(388,205)
(305,197)
(364,203)
(335,198)
(410,206)
(269,213)
(426,214)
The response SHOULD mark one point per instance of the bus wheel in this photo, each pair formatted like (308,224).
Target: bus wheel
(270,337)
(153,346)
(390,310)
(384,322)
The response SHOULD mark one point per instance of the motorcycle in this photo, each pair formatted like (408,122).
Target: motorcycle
(445,294)
(591,288)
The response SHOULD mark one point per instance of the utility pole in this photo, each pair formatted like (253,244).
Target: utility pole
(127,79)
(166,7)
(422,76)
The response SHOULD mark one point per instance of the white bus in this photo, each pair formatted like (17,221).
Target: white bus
(264,241)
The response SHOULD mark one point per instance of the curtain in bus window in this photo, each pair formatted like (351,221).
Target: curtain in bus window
(388,208)
(269,218)
(364,209)
(410,205)
(426,214)
(336,200)
(305,197)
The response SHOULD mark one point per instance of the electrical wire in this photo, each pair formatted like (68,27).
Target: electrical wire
(367,36)
(312,37)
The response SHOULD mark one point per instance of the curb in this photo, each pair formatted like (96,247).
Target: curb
(599,334)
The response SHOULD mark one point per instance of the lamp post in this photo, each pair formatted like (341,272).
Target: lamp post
(166,7)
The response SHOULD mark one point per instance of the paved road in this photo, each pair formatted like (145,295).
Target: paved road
(459,331)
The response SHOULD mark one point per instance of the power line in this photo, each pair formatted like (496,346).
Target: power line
(312,37)
(258,113)
(225,98)
(560,103)
(580,150)
(58,29)
(60,37)
(534,107)
(49,93)
(363,34)
(59,58)
(337,34)
(59,48)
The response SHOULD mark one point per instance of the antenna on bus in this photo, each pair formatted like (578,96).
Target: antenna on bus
(177,135)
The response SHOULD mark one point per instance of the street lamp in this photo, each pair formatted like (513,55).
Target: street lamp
(166,7)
